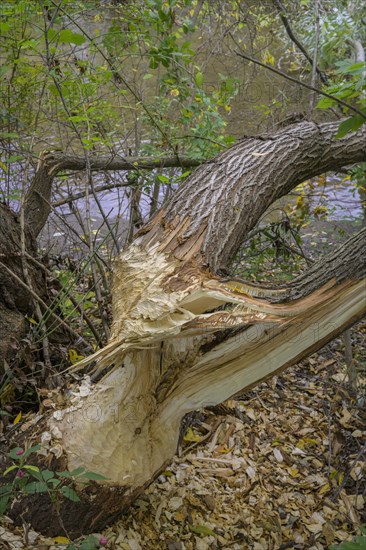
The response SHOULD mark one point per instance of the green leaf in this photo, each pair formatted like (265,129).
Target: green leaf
(55,482)
(74,473)
(199,79)
(154,64)
(36,487)
(61,540)
(9,135)
(32,468)
(47,475)
(77,472)
(350,125)
(202,530)
(6,489)
(349,546)
(13,158)
(10,469)
(13,453)
(37,475)
(358,544)
(356,68)
(68,37)
(64,474)
(70,494)
(91,543)
(78,118)
(93,476)
(31,450)
(4,27)
(3,504)
(4,69)
(325,103)
(163,179)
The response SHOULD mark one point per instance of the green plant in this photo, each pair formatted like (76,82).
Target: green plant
(350,84)
(358,542)
(30,479)
(90,543)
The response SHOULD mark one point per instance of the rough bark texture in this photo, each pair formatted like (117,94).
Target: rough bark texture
(171,349)
(224,198)
(15,301)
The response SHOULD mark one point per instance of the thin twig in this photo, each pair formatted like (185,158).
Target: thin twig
(295,40)
(42,303)
(346,477)
(75,303)
(315,59)
(81,194)
(308,86)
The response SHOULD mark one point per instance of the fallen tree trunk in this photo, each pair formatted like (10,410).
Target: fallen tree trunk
(184,336)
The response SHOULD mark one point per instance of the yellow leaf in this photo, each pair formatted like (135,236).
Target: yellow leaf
(17,418)
(191,436)
(74,356)
(32,321)
(4,167)
(324,489)
(224,450)
(62,540)
(293,471)
(310,441)
(268,58)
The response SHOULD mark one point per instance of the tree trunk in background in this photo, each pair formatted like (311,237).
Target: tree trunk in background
(15,300)
(183,337)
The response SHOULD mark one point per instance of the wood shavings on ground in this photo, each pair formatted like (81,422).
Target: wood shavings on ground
(282,466)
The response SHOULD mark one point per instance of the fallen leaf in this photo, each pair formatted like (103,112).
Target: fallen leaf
(18,418)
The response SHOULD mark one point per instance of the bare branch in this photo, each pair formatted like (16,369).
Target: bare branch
(303,84)
(295,40)
(315,59)
(59,161)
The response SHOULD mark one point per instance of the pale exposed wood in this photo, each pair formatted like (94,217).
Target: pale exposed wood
(133,418)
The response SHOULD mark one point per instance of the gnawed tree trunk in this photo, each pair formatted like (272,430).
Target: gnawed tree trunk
(184,336)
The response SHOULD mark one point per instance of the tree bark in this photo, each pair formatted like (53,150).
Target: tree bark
(15,300)
(184,337)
